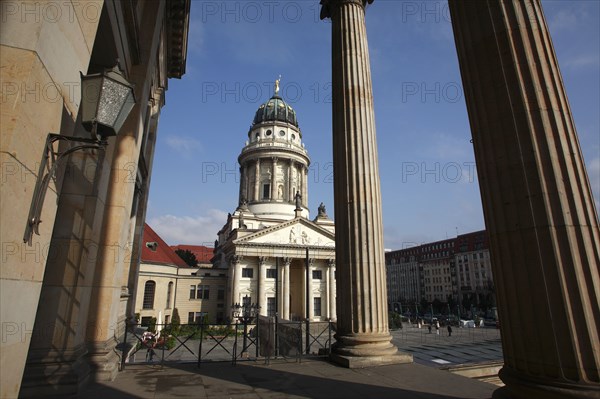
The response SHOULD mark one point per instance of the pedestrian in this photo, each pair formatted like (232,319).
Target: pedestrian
(437,328)
(429,329)
(149,341)
(449,330)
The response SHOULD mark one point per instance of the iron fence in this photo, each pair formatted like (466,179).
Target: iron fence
(266,339)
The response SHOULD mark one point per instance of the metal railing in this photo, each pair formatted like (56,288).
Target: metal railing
(267,339)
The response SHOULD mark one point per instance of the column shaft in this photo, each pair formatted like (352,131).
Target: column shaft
(309,299)
(362,314)
(257,181)
(274,180)
(536,197)
(262,277)
(291,192)
(286,289)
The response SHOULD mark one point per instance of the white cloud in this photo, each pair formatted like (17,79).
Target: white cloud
(191,230)
(186,146)
(582,61)
(564,19)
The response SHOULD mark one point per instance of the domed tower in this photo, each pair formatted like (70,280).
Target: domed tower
(274,163)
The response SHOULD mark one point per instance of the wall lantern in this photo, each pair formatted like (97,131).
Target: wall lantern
(106,100)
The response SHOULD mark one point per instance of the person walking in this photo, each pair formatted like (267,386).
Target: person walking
(449,330)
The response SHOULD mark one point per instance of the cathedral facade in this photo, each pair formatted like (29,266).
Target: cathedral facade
(276,257)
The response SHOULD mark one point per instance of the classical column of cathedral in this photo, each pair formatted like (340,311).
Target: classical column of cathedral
(274,195)
(537,202)
(257,181)
(331,288)
(362,334)
(261,281)
(290,181)
(286,288)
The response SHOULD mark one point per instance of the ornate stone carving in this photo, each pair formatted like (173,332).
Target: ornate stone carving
(235,259)
(262,260)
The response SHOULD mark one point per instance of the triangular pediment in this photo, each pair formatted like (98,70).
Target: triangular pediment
(296,232)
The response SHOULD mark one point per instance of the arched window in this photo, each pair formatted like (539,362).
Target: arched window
(149,290)
(169,292)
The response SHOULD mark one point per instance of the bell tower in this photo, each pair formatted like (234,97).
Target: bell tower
(274,163)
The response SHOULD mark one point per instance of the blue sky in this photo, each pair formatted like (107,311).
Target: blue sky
(428,176)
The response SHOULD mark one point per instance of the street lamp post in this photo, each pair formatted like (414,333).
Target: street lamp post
(245,314)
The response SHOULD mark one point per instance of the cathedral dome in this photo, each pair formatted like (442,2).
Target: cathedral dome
(275,110)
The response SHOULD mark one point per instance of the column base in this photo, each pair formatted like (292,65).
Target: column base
(360,362)
(55,373)
(104,360)
(522,386)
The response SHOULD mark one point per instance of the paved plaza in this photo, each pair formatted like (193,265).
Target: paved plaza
(465,345)
(306,379)
(316,377)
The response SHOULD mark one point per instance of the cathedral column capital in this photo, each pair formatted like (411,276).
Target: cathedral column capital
(262,260)
(287,261)
(328,7)
(235,259)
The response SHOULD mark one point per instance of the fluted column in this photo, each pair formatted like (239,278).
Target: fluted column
(331,289)
(274,179)
(362,304)
(257,181)
(537,202)
(286,288)
(237,275)
(305,186)
(243,183)
(291,192)
(309,290)
(261,281)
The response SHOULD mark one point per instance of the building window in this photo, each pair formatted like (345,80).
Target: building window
(221,293)
(266,191)
(167,319)
(202,291)
(169,293)
(271,306)
(247,272)
(146,321)
(317,275)
(271,273)
(195,317)
(317,306)
(149,289)
(192,292)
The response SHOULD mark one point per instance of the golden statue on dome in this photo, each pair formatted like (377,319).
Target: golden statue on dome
(277,85)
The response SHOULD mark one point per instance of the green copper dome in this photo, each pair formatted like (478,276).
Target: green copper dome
(275,110)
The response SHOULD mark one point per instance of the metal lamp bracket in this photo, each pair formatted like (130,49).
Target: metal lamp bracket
(51,159)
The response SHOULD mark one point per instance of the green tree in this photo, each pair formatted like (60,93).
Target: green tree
(188,257)
(175,321)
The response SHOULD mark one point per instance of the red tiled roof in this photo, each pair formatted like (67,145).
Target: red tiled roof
(163,253)
(202,253)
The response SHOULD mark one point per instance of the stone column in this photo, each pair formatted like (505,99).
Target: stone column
(237,275)
(274,179)
(257,181)
(243,183)
(261,281)
(305,186)
(362,337)
(286,288)
(310,296)
(291,192)
(331,310)
(537,202)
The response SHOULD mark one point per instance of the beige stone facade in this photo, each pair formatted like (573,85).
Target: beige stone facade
(64,299)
